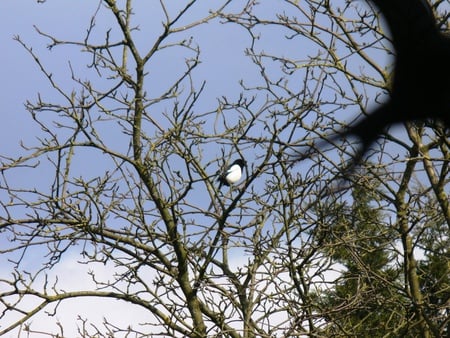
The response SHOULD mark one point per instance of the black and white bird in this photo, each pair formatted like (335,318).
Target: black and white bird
(232,173)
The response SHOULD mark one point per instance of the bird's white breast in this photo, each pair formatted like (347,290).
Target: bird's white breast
(233,174)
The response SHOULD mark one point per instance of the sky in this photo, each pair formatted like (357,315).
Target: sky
(222,53)
(223,49)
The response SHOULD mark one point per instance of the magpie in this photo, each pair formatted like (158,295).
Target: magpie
(420,88)
(232,174)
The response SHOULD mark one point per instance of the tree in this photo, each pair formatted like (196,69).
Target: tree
(126,155)
(359,239)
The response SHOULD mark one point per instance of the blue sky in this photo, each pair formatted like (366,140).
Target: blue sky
(223,61)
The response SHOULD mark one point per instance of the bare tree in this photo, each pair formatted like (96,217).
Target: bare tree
(128,164)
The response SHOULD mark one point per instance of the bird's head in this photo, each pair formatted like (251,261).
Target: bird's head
(240,162)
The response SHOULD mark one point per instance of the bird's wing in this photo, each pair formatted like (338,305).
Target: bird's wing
(408,20)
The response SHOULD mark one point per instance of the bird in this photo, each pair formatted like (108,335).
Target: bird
(420,88)
(232,173)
